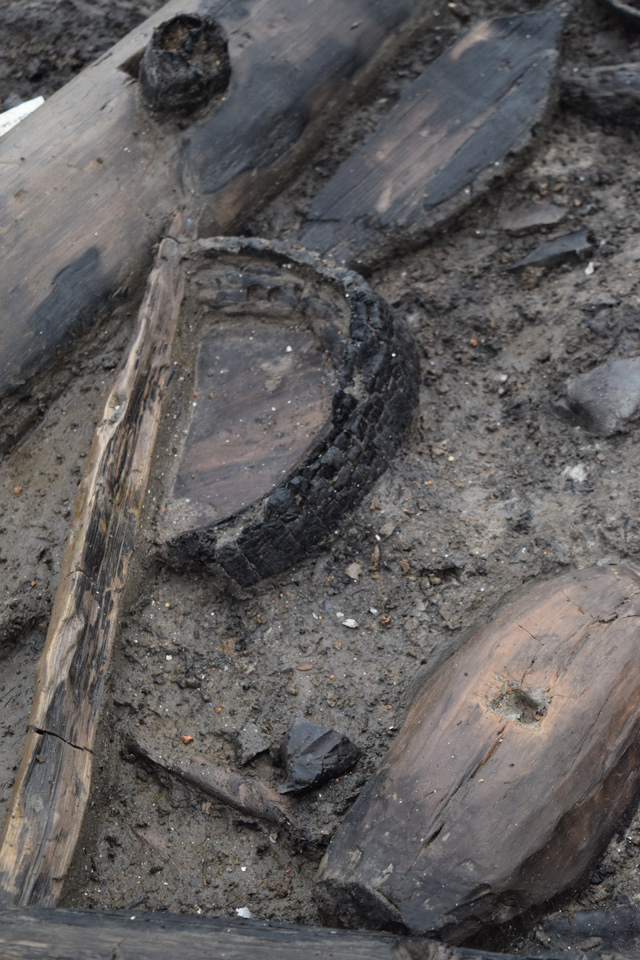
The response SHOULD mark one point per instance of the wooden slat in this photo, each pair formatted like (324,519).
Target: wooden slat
(52,784)
(454,131)
(89,181)
(511,772)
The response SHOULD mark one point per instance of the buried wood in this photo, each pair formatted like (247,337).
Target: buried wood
(248,795)
(53,780)
(91,179)
(306,384)
(454,131)
(514,766)
(106,935)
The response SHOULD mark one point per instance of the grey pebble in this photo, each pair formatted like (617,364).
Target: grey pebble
(605,398)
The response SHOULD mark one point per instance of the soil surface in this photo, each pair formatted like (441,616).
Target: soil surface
(493,489)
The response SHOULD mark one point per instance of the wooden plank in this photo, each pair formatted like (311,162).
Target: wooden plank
(53,780)
(272,397)
(91,179)
(91,935)
(454,131)
(253,490)
(109,935)
(511,772)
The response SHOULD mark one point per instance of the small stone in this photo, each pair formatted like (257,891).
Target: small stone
(605,398)
(313,754)
(354,570)
(349,622)
(250,742)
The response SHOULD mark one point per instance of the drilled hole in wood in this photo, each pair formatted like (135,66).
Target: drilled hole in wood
(523,704)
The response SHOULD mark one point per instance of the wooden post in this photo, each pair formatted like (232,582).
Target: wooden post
(52,785)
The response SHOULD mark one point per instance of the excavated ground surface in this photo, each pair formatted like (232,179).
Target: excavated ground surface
(492,490)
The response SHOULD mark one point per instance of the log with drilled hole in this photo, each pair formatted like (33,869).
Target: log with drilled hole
(514,766)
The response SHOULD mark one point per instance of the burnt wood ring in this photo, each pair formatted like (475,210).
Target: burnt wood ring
(371,399)
(185,63)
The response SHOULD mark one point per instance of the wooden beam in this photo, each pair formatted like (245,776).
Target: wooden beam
(90,179)
(52,784)
(454,131)
(512,770)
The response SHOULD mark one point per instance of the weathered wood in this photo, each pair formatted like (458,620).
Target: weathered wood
(627,12)
(249,795)
(454,131)
(609,92)
(90,181)
(298,456)
(52,784)
(105,935)
(512,770)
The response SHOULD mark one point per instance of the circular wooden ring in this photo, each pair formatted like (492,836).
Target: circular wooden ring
(369,407)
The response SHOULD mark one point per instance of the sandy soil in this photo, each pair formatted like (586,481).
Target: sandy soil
(492,490)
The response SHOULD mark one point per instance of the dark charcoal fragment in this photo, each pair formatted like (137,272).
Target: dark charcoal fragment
(566,247)
(184,64)
(313,754)
(605,398)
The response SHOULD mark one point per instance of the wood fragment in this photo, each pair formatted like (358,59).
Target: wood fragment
(249,795)
(610,92)
(454,131)
(307,451)
(55,773)
(512,770)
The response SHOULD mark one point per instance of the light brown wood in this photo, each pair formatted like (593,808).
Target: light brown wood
(52,785)
(512,770)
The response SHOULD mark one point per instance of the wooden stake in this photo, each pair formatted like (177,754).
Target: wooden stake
(52,786)
(249,795)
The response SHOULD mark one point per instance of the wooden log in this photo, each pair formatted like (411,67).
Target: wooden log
(106,935)
(249,795)
(610,92)
(280,452)
(91,179)
(454,131)
(514,766)
(40,934)
(52,784)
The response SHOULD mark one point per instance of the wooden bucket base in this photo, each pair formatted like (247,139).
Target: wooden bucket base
(304,385)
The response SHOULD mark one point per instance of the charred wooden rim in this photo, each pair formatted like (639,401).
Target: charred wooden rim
(628,14)
(376,393)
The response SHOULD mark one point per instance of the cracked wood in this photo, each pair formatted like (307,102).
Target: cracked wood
(515,765)
(52,785)
(454,131)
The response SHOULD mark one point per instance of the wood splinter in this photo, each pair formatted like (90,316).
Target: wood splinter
(52,784)
(248,795)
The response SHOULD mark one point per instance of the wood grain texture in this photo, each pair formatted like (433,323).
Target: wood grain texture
(105,935)
(454,131)
(351,421)
(52,785)
(91,179)
(512,770)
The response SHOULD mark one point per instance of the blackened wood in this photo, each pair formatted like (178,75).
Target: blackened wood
(52,784)
(346,435)
(454,131)
(90,181)
(611,93)
(109,935)
(513,768)
(627,12)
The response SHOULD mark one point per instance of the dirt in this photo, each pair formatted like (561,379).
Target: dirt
(492,490)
